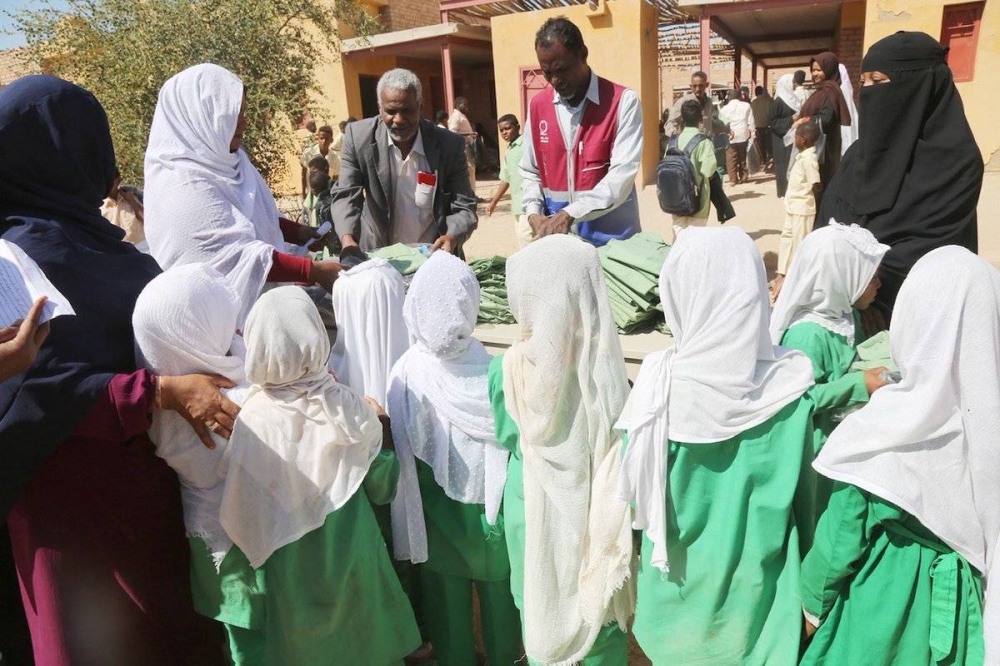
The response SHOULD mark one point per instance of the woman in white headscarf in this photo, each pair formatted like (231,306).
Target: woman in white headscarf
(911,533)
(718,439)
(205,201)
(305,465)
(453,466)
(834,276)
(848,133)
(185,322)
(556,394)
(786,105)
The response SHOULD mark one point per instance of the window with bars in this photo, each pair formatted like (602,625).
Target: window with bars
(960,35)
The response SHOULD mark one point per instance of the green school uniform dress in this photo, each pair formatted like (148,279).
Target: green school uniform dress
(233,595)
(888,591)
(732,594)
(611,646)
(836,388)
(463,547)
(331,597)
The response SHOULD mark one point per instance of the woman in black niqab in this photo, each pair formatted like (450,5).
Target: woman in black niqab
(913,177)
(94,515)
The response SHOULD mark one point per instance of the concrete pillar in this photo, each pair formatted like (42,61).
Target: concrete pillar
(737,66)
(706,43)
(446,75)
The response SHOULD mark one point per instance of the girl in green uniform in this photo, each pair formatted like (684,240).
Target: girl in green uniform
(306,463)
(834,275)
(718,429)
(556,394)
(453,467)
(896,573)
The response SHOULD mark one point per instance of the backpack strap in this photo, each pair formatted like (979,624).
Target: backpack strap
(694,143)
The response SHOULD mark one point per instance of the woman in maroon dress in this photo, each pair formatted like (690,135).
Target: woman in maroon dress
(94,516)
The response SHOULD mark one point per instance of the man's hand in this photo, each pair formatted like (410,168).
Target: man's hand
(559,223)
(490,207)
(447,242)
(324,273)
(20,342)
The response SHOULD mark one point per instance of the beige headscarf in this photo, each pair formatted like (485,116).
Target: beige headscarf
(302,443)
(565,385)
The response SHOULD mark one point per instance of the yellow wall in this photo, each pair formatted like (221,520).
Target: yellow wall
(622,45)
(884,17)
(335,99)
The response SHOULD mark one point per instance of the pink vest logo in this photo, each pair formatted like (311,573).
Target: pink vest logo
(543,131)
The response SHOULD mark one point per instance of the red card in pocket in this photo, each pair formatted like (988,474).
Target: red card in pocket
(425,178)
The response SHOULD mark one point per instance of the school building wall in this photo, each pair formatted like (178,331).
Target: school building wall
(621,38)
(885,17)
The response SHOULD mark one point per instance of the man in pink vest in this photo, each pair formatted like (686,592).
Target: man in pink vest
(582,145)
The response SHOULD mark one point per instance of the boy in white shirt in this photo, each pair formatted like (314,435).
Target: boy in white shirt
(800,199)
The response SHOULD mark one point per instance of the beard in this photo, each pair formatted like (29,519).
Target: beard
(400,135)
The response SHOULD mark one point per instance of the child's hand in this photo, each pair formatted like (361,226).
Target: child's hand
(874,380)
(377,407)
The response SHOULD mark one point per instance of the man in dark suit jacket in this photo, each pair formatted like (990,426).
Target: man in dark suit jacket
(402,179)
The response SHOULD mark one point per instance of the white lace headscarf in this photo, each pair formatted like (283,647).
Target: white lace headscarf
(185,323)
(439,403)
(203,203)
(371,332)
(722,376)
(564,385)
(303,443)
(829,273)
(931,443)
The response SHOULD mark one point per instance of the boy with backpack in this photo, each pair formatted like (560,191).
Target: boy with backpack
(684,173)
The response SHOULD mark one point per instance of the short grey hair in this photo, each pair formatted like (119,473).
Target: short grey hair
(401,80)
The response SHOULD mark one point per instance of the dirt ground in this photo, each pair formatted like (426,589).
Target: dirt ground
(758,211)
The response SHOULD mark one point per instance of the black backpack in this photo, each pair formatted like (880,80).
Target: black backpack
(676,181)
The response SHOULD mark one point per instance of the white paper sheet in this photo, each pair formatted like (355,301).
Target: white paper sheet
(21,283)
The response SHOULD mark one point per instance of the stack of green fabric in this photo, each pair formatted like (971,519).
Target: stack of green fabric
(492,276)
(632,273)
(403,258)
(874,353)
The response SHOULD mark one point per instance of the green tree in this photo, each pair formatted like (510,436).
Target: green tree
(124,50)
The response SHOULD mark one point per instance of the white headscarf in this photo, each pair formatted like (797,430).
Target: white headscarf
(204,203)
(565,384)
(848,133)
(785,91)
(371,333)
(931,443)
(185,323)
(303,443)
(829,273)
(439,403)
(721,377)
